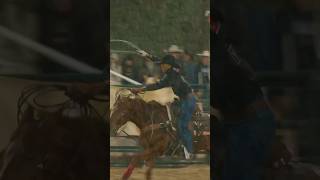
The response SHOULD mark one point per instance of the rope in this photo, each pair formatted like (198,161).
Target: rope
(123,51)
(129,44)
(36,90)
(151,125)
(169,113)
(125,78)
(53,54)
(126,42)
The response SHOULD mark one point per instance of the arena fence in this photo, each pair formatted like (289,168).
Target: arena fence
(165,163)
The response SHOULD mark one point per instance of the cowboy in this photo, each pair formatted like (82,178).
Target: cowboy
(203,69)
(181,88)
(175,51)
(248,124)
(189,67)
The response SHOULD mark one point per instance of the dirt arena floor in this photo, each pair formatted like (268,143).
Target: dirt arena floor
(198,172)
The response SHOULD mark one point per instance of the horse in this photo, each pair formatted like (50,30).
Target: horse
(149,118)
(65,141)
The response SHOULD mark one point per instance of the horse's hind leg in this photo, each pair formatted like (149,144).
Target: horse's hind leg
(150,156)
(134,162)
(150,165)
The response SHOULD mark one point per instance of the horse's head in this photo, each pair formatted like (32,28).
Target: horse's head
(127,107)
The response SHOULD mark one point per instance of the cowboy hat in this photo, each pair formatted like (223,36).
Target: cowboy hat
(205,53)
(168,59)
(174,49)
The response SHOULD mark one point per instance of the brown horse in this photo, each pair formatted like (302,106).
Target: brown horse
(147,116)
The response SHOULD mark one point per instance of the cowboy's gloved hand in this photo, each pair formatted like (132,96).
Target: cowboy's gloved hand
(143,53)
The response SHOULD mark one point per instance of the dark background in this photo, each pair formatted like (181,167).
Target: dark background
(76,28)
(281,39)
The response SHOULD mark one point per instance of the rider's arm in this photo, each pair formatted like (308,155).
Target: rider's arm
(148,56)
(153,58)
(164,82)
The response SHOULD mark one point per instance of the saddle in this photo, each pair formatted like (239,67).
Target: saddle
(174,112)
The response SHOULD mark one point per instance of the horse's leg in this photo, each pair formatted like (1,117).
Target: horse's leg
(150,165)
(130,168)
(134,162)
(150,156)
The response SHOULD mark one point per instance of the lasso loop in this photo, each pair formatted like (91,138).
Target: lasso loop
(128,43)
(128,51)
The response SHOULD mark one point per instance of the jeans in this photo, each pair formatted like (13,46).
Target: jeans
(187,107)
(247,146)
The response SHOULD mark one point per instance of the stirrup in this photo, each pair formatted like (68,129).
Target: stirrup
(187,155)
(171,126)
(163,125)
(166,124)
